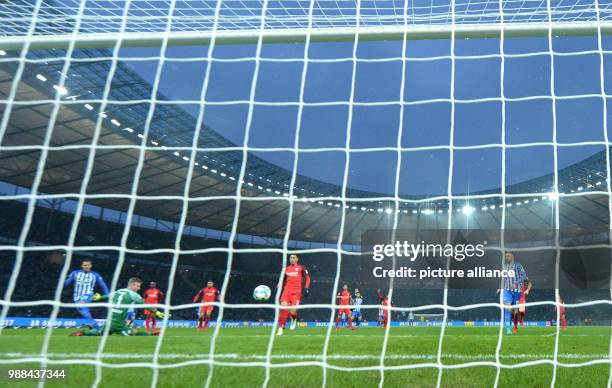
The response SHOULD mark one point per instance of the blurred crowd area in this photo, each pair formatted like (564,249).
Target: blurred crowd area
(150,255)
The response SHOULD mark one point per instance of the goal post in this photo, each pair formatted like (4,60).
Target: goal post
(429,317)
(46,24)
(106,97)
(417,32)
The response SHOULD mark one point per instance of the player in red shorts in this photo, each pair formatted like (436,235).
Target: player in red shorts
(153,296)
(525,289)
(208,294)
(295,274)
(345,300)
(562,320)
(384,300)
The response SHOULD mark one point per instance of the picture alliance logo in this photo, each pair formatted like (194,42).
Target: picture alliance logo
(411,251)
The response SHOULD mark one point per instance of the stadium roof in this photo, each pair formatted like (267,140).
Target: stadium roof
(264,205)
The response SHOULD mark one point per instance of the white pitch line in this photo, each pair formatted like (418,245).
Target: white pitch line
(314,335)
(236,356)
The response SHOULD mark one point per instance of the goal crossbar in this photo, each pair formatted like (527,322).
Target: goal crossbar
(419,32)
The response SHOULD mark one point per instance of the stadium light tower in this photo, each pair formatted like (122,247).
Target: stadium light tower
(467,210)
(553,196)
(61,90)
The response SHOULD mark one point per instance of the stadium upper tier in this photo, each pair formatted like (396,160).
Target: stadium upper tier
(264,207)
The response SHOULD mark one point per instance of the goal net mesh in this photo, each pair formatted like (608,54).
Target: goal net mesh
(61,17)
(30,29)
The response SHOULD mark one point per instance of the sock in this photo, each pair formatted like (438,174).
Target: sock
(199,322)
(153,322)
(350,322)
(507,318)
(85,313)
(206,320)
(515,320)
(147,321)
(337,321)
(522,317)
(282,318)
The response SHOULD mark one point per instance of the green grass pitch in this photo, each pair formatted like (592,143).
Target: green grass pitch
(183,351)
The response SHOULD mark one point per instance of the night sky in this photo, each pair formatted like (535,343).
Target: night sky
(428,123)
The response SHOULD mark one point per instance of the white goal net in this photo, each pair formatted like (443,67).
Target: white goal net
(237,21)
(94,125)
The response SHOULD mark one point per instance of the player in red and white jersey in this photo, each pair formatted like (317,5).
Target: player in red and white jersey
(153,296)
(384,301)
(345,300)
(208,294)
(562,320)
(295,275)
(525,289)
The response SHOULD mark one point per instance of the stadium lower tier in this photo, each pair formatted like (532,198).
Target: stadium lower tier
(19,322)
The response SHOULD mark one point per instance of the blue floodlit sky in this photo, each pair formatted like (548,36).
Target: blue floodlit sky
(423,172)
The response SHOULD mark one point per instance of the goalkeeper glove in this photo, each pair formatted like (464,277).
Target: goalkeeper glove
(162,315)
(306,291)
(96,297)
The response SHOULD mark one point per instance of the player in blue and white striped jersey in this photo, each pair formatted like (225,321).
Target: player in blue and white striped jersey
(511,287)
(357,302)
(84,281)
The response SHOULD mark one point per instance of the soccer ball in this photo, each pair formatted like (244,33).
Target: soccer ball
(261,293)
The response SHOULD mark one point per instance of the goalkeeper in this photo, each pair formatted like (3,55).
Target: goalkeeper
(122,300)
